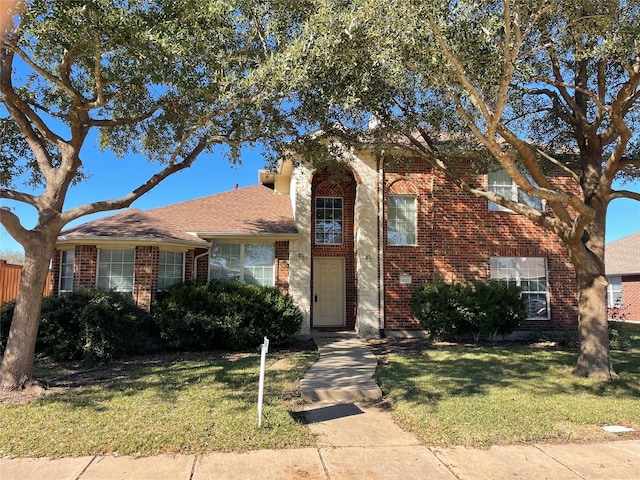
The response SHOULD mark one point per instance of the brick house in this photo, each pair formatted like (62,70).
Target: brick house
(350,244)
(622,265)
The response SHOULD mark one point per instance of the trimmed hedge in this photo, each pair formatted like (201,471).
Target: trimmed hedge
(90,325)
(476,308)
(227,315)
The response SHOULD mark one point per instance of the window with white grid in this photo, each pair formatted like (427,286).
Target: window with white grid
(67,259)
(329,221)
(115,269)
(530,274)
(614,292)
(246,262)
(501,183)
(401,220)
(171,269)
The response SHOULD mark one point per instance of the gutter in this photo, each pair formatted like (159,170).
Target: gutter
(381,242)
(194,270)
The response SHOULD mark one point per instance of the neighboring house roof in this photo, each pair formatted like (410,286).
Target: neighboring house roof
(622,256)
(250,211)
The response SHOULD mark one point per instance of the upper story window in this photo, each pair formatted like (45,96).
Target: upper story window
(501,183)
(329,220)
(401,220)
(614,292)
(530,274)
(115,269)
(245,262)
(67,259)
(171,269)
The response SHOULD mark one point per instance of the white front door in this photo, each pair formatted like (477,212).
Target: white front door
(328,292)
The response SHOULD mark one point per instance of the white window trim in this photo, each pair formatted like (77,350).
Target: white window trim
(518,282)
(515,189)
(415,220)
(242,265)
(611,292)
(133,282)
(60,289)
(315,220)
(183,266)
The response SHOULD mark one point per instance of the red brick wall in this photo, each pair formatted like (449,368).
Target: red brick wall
(145,274)
(55,272)
(457,234)
(324,186)
(630,309)
(282,266)
(202,267)
(86,266)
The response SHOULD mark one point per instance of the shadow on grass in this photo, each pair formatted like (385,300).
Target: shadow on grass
(234,380)
(461,372)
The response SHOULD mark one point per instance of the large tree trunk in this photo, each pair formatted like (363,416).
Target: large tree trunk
(17,363)
(594,358)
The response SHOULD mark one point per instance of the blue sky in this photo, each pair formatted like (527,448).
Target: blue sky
(213,174)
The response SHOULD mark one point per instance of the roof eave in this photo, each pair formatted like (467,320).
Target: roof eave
(98,240)
(260,235)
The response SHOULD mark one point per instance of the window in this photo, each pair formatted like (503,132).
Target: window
(614,292)
(401,220)
(171,269)
(530,274)
(67,258)
(501,183)
(246,262)
(115,269)
(329,220)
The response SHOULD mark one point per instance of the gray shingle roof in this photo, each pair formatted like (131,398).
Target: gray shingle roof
(622,257)
(249,211)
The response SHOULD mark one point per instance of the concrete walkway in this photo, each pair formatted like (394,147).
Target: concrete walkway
(356,440)
(343,373)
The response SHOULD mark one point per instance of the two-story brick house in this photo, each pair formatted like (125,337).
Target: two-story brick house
(350,244)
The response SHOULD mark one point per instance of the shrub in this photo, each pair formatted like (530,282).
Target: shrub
(228,315)
(619,339)
(441,308)
(497,308)
(91,325)
(491,308)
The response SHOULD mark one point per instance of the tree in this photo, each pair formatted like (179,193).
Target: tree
(536,85)
(170,79)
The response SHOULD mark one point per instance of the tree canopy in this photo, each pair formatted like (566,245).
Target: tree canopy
(527,86)
(167,79)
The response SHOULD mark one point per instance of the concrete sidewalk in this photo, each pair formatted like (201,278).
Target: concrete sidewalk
(356,440)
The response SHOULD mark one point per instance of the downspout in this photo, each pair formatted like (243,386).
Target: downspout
(194,271)
(381,242)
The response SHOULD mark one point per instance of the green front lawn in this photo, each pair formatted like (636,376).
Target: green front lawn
(508,395)
(173,405)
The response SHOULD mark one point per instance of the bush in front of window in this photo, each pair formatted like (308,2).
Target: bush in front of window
(476,308)
(442,308)
(498,309)
(225,315)
(91,325)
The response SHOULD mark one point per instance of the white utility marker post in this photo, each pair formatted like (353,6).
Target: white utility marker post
(263,355)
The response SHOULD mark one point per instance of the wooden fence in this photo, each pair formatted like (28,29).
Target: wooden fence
(10,279)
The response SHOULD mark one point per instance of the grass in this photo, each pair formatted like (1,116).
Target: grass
(181,406)
(474,396)
(509,395)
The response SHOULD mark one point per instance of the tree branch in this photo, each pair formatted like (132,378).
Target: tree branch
(128,199)
(11,222)
(624,194)
(560,165)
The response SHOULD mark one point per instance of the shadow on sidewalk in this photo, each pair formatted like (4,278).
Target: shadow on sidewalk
(330,412)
